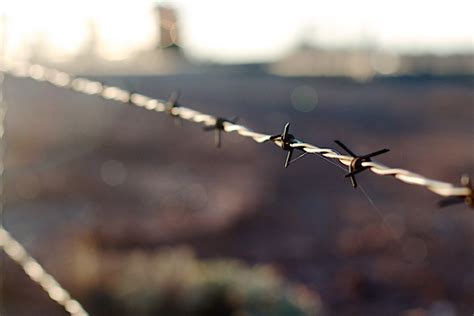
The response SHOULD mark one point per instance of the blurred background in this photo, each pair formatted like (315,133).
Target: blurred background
(137,216)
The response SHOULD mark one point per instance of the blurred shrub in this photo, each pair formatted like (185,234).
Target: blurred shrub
(174,282)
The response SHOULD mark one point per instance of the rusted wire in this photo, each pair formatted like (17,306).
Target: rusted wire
(91,87)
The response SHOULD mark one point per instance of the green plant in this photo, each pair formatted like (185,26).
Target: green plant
(175,282)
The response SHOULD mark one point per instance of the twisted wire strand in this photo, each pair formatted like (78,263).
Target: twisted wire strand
(38,274)
(14,249)
(91,87)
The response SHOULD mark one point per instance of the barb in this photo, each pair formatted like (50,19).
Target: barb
(90,87)
(356,163)
(171,105)
(36,273)
(218,127)
(285,140)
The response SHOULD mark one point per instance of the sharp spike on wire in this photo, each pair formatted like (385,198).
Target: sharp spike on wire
(351,175)
(172,104)
(217,138)
(376,153)
(353,172)
(288,158)
(218,127)
(285,139)
(356,166)
(345,148)
(286,130)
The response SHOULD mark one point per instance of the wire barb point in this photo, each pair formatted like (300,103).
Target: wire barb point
(172,104)
(467,199)
(356,163)
(218,127)
(286,139)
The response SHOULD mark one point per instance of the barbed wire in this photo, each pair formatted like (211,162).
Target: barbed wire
(11,246)
(286,141)
(39,275)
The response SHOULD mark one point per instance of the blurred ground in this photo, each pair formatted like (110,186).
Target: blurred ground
(88,178)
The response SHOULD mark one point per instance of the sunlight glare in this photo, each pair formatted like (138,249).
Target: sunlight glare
(237,31)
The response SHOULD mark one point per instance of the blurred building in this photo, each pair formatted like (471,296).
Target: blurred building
(167,24)
(167,56)
(365,63)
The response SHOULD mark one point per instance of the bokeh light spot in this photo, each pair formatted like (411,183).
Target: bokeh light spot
(113,172)
(304,98)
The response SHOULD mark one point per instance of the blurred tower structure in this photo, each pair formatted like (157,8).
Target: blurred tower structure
(91,45)
(167,23)
(37,49)
(88,59)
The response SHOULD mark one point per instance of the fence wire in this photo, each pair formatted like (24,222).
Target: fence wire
(11,246)
(91,87)
(39,275)
(285,141)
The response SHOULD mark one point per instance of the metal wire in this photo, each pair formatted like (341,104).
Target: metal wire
(12,247)
(91,87)
(37,273)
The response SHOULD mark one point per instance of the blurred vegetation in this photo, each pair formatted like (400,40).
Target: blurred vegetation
(174,282)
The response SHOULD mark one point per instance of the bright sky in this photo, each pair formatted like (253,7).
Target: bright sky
(243,30)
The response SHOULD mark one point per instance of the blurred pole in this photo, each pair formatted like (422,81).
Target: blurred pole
(3,110)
